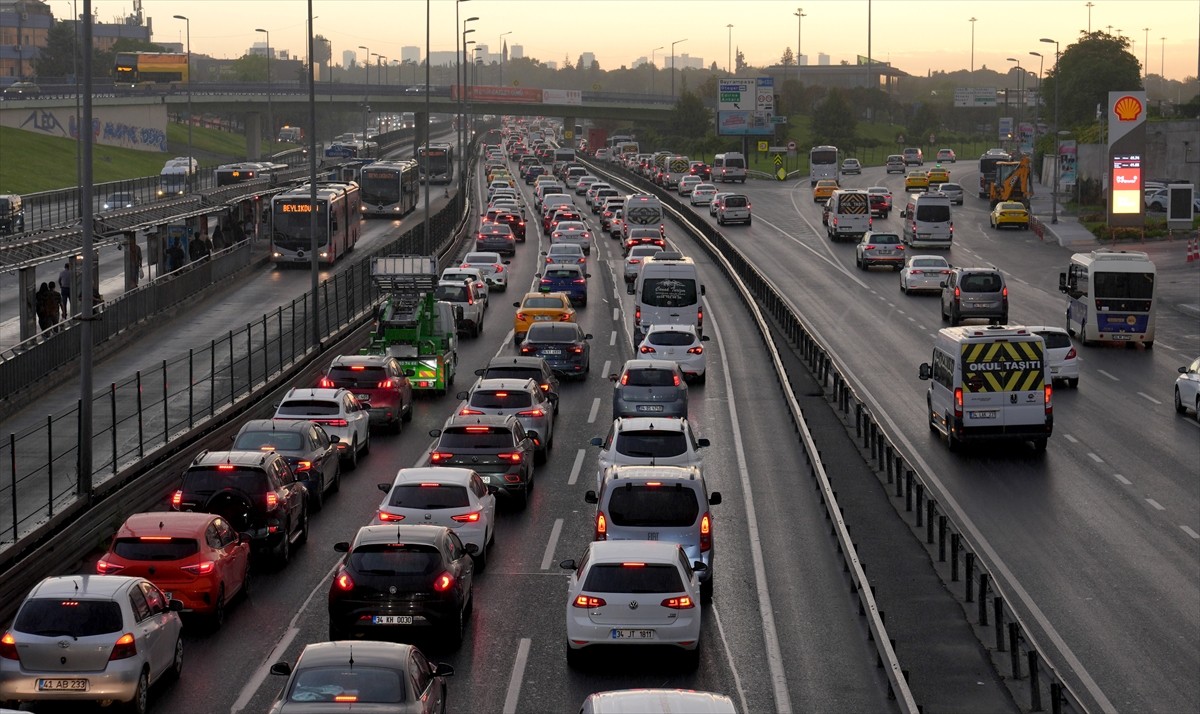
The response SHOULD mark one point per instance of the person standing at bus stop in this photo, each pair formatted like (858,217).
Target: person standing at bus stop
(64,282)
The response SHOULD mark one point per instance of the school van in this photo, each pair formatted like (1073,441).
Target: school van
(668,291)
(728,167)
(988,383)
(849,214)
(676,168)
(927,221)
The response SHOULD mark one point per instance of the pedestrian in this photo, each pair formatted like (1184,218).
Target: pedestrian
(196,248)
(41,306)
(248,228)
(174,256)
(135,259)
(64,281)
(218,239)
(55,309)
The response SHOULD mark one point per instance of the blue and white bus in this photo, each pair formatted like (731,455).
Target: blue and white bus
(823,164)
(1110,297)
(436,160)
(339,213)
(389,188)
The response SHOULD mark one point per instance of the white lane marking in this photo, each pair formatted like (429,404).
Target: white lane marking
(832,263)
(612,338)
(1143,395)
(1190,532)
(912,319)
(1159,343)
(552,543)
(1070,438)
(1157,506)
(898,312)
(518,675)
(1122,479)
(783,700)
(575,468)
(1106,374)
(260,675)
(1094,457)
(595,409)
(616,314)
(737,680)
(607,366)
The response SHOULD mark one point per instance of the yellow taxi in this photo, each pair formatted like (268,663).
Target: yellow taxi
(540,307)
(823,189)
(938,175)
(916,180)
(1010,213)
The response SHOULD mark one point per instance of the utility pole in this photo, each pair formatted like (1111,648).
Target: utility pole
(1089,5)
(972,21)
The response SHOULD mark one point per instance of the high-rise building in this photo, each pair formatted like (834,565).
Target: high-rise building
(822,59)
(587,59)
(410,53)
(516,52)
(802,60)
(260,49)
(349,59)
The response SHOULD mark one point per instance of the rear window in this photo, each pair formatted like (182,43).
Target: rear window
(669,292)
(396,559)
(52,617)
(207,480)
(304,407)
(513,373)
(553,333)
(483,438)
(652,444)
(1055,340)
(643,506)
(935,213)
(358,684)
(562,273)
(885,238)
(738,163)
(500,399)
(980,283)
(156,550)
(358,376)
(542,302)
(735,201)
(429,496)
(670,338)
(451,293)
(650,377)
(269,441)
(642,578)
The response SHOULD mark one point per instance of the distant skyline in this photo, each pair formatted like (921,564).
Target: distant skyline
(916,36)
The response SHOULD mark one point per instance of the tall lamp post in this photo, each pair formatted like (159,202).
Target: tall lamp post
(500,49)
(367,64)
(1020,97)
(458,28)
(270,113)
(1146,54)
(1057,148)
(188,23)
(653,68)
(729,59)
(1162,58)
(673,65)
(799,13)
(1037,88)
(462,95)
(379,67)
(313,258)
(972,21)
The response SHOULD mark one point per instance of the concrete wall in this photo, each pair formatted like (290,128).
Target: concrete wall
(1173,150)
(142,127)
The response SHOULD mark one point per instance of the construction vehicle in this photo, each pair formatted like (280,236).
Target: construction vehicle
(1012,182)
(987,169)
(412,325)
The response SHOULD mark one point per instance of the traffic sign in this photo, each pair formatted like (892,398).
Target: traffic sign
(778,160)
(764,94)
(780,174)
(791,146)
(736,94)
(762,147)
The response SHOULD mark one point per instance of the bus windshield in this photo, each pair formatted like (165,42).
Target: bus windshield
(380,187)
(292,229)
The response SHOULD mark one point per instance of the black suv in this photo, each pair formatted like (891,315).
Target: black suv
(495,446)
(975,293)
(534,368)
(254,491)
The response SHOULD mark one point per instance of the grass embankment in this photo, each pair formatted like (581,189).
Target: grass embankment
(32,162)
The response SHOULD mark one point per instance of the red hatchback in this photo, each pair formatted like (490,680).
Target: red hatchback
(376,380)
(194,557)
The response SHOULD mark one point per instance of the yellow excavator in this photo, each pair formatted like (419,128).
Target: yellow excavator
(1012,182)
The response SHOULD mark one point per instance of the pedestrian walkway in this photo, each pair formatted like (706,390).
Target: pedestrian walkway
(1068,232)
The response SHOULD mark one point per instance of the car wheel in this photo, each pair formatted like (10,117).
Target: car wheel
(955,318)
(691,659)
(903,288)
(1073,383)
(351,457)
(575,658)
(335,634)
(283,553)
(247,582)
(952,442)
(521,499)
(137,705)
(747,220)
(398,425)
(316,497)
(702,377)
(366,447)
(455,629)
(720,222)
(1039,445)
(1179,408)
(302,537)
(176,670)
(337,479)
(706,590)
(540,455)
(217,618)
(517,339)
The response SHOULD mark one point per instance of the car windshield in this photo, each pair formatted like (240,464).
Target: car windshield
(343,683)
(428,496)
(670,338)
(669,292)
(644,506)
(56,617)
(305,407)
(622,578)
(650,377)
(500,399)
(396,559)
(155,548)
(553,333)
(478,438)
(652,444)
(269,441)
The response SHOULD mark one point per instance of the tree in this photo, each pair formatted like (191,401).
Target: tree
(691,118)
(788,59)
(323,50)
(739,60)
(1085,73)
(924,122)
(833,120)
(250,68)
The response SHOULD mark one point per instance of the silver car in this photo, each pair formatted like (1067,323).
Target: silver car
(91,638)
(576,232)
(923,273)
(646,441)
(522,398)
(649,387)
(953,191)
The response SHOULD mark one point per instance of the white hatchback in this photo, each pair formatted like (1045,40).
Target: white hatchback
(663,441)
(680,344)
(442,496)
(688,183)
(338,412)
(1061,356)
(492,267)
(629,593)
(475,275)
(703,194)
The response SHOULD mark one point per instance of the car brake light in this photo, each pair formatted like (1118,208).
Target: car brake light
(699,317)
(697,350)
(1049,393)
(499,268)
(601,527)
(584,601)
(8,647)
(914,271)
(1071,354)
(345,698)
(1004,293)
(525,350)
(679,603)
(957,293)
(325,383)
(868,247)
(386,517)
(125,648)
(645,349)
(706,533)
(177,499)
(676,379)
(343,580)
(468,411)
(545,281)
(443,582)
(577,350)
(303,466)
(225,467)
(272,500)
(532,413)
(103,567)
(332,422)
(203,568)
(472,517)
(357,367)
(958,402)
(579,281)
(512,457)
(637,316)
(386,384)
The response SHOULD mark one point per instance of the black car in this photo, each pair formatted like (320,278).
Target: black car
(564,346)
(495,446)
(255,491)
(311,453)
(701,169)
(497,238)
(514,221)
(534,368)
(397,580)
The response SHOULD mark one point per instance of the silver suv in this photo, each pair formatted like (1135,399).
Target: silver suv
(975,293)
(522,398)
(649,387)
(647,441)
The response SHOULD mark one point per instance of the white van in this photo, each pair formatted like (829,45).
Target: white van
(668,292)
(730,166)
(927,221)
(676,168)
(849,214)
(989,383)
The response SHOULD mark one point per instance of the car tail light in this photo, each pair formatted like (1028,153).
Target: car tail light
(697,350)
(676,379)
(868,246)
(1004,294)
(532,412)
(272,500)
(443,582)
(957,293)
(584,601)
(203,568)
(177,499)
(700,318)
(1049,393)
(951,229)
(958,402)
(8,647)
(635,261)
(332,422)
(103,567)
(545,387)
(577,350)
(1071,355)
(124,648)
(601,527)
(900,246)
(579,281)
(646,349)
(637,316)
(512,457)
(472,517)
(546,281)
(325,383)
(914,271)
(386,384)
(437,457)
(705,533)
(343,581)
(386,517)
(468,411)
(679,603)
(303,466)
(526,350)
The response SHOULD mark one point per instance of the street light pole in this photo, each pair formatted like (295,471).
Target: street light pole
(270,113)
(1020,98)
(972,21)
(1089,5)
(1146,53)
(1038,87)
(501,50)
(1057,148)
(673,65)
(462,103)
(729,60)
(1162,59)
(367,64)
(799,13)
(188,24)
(313,257)
(427,243)
(458,27)
(653,68)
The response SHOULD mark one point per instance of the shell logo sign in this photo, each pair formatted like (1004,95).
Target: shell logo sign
(1128,108)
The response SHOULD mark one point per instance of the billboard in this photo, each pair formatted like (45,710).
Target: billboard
(573,97)
(1006,129)
(746,106)
(744,123)
(1126,153)
(1067,164)
(522,95)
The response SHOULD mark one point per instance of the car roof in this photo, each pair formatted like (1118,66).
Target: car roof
(360,359)
(645,472)
(82,587)
(518,361)
(373,653)
(165,523)
(440,474)
(206,459)
(671,327)
(664,701)
(275,425)
(507,383)
(650,424)
(640,551)
(650,364)
(374,535)
(461,420)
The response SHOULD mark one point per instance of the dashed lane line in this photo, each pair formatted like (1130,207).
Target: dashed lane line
(1070,438)
(1122,479)
(1094,457)
(1149,398)
(607,366)
(1157,506)
(576,467)
(518,676)
(612,338)
(1189,531)
(594,410)
(552,543)
(1106,374)
(737,679)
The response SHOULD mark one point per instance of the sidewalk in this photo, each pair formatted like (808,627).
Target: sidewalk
(1068,232)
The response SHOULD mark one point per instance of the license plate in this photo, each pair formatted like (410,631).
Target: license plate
(540,318)
(1121,337)
(884,252)
(1054,370)
(485,479)
(989,414)
(363,397)
(922,235)
(652,536)
(650,408)
(391,620)
(551,352)
(632,634)
(62,685)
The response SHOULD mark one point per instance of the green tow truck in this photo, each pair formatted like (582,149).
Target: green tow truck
(412,325)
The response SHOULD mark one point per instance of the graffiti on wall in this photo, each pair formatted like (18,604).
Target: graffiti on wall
(140,130)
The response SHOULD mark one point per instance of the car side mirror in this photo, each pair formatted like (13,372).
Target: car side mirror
(245,538)
(943,283)
(515,304)
(492,489)
(714,499)
(385,487)
(701,289)
(281,668)
(1183,370)
(926,371)
(1062,282)
(334,439)
(596,441)
(471,548)
(435,433)
(701,443)
(705,338)
(443,670)
(612,377)
(342,547)
(699,567)
(175,605)
(480,372)
(462,395)
(568,564)
(588,336)
(590,497)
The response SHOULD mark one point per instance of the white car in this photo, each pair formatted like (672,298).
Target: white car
(475,275)
(851,166)
(679,344)
(634,261)
(1061,357)
(338,412)
(703,194)
(492,267)
(576,232)
(688,183)
(442,496)
(91,638)
(631,593)
(923,273)
(665,441)
(714,202)
(1187,388)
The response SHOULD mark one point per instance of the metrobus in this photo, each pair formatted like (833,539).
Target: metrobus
(144,68)
(389,188)
(338,209)
(436,161)
(230,174)
(823,164)
(1110,296)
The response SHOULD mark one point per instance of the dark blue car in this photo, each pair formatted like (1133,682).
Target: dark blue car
(566,278)
(533,172)
(564,346)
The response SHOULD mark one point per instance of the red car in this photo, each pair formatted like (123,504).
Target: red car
(378,381)
(513,221)
(197,558)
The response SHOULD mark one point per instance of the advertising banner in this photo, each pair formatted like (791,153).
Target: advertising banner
(522,95)
(744,123)
(573,97)
(1067,165)
(1006,129)
(1126,152)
